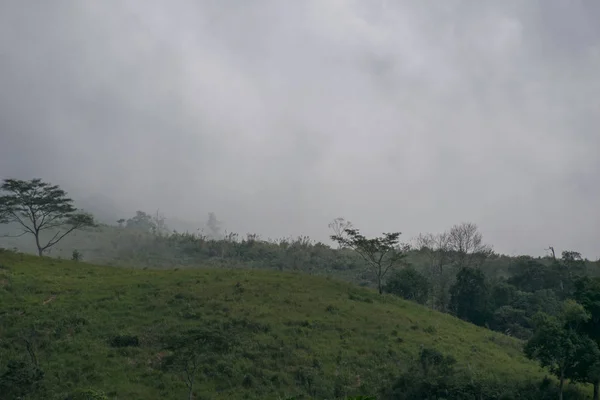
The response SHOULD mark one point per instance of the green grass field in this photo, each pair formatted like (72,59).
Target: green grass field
(288,334)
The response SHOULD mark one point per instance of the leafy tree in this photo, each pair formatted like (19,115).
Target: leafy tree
(502,294)
(569,269)
(557,344)
(587,293)
(381,253)
(433,377)
(469,296)
(511,321)
(587,368)
(20,379)
(531,275)
(37,206)
(141,222)
(193,348)
(409,284)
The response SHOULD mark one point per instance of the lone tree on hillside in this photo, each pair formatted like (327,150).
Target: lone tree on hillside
(38,206)
(380,253)
(558,344)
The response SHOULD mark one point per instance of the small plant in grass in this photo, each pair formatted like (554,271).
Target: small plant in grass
(76,256)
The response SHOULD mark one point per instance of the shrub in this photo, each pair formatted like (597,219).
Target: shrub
(409,284)
(125,341)
(20,379)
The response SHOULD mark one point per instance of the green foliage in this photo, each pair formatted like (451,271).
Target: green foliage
(438,376)
(381,253)
(409,284)
(470,296)
(125,341)
(36,207)
(587,293)
(141,222)
(558,345)
(20,379)
(258,334)
(531,275)
(76,256)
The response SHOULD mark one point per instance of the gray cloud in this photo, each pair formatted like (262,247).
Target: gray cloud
(281,115)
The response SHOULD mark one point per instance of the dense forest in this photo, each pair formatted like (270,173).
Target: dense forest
(551,303)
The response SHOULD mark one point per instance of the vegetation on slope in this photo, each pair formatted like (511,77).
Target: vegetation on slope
(255,334)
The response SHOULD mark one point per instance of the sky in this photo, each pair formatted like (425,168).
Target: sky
(281,115)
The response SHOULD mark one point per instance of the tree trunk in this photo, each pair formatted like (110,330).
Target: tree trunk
(37,243)
(597,390)
(560,385)
(191,392)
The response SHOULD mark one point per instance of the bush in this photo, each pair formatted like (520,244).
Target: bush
(19,380)
(436,377)
(125,341)
(409,284)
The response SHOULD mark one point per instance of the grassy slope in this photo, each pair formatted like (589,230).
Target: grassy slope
(293,328)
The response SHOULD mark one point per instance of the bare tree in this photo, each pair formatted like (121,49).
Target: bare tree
(437,249)
(466,245)
(159,224)
(339,226)
(381,253)
(551,250)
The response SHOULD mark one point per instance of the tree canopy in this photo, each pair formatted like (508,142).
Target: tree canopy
(36,207)
(381,253)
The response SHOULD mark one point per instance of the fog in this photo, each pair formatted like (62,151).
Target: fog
(279,115)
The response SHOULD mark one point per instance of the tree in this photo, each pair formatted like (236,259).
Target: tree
(587,293)
(339,226)
(587,368)
(159,223)
(141,222)
(557,344)
(531,275)
(20,380)
(569,268)
(437,248)
(409,284)
(37,206)
(469,296)
(194,348)
(214,226)
(466,244)
(381,253)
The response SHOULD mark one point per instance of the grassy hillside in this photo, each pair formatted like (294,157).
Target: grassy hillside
(266,335)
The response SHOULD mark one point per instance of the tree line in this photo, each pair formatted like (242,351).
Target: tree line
(553,303)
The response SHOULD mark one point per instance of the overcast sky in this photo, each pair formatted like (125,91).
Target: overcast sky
(280,115)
